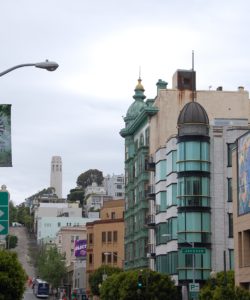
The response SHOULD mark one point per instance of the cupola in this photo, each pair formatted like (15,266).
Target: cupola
(193,120)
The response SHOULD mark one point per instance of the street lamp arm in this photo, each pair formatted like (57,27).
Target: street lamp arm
(16,67)
(49,66)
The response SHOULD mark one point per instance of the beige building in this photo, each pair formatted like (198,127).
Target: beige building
(217,103)
(105,237)
(241,206)
(76,266)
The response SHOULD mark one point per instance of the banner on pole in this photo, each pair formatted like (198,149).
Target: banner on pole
(5,135)
(80,248)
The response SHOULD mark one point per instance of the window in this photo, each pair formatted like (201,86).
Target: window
(115,257)
(231,259)
(194,191)
(161,229)
(161,202)
(136,145)
(172,193)
(147,137)
(171,162)
(103,258)
(194,225)
(229,190)
(90,258)
(59,224)
(189,260)
(112,215)
(72,239)
(167,263)
(229,154)
(171,228)
(91,238)
(104,237)
(193,156)
(109,258)
(230,225)
(160,170)
(109,236)
(115,236)
(119,186)
(141,140)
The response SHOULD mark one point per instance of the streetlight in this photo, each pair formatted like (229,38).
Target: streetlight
(47,65)
(213,276)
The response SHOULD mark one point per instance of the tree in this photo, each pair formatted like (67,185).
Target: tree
(88,177)
(223,288)
(76,194)
(152,286)
(51,266)
(12,213)
(11,241)
(22,212)
(96,278)
(12,276)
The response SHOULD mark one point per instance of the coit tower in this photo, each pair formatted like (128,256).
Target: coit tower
(56,175)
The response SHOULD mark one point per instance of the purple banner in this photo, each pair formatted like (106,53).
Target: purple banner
(80,248)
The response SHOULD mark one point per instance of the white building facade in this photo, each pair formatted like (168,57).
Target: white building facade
(115,186)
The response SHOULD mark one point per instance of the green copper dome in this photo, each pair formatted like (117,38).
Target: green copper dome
(138,104)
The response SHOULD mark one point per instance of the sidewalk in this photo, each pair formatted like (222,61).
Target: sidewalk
(22,249)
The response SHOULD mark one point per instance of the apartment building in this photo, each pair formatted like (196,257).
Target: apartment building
(68,240)
(185,196)
(105,237)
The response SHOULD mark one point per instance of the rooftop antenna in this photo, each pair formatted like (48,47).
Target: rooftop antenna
(139,72)
(193,78)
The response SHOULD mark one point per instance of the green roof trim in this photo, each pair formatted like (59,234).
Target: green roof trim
(133,126)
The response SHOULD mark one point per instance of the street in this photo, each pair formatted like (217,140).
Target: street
(22,249)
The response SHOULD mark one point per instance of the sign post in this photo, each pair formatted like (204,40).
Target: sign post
(4,211)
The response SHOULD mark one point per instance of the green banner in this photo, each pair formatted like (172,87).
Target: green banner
(5,136)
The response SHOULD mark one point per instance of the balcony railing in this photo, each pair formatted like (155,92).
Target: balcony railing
(150,192)
(150,220)
(149,164)
(151,250)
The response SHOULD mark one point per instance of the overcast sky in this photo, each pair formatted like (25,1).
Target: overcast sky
(76,112)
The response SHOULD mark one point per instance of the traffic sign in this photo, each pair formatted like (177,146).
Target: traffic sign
(194,287)
(4,227)
(4,212)
(4,198)
(193,250)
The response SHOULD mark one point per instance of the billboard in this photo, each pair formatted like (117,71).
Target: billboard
(80,248)
(5,136)
(244,174)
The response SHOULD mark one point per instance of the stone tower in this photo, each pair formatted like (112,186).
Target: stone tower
(56,175)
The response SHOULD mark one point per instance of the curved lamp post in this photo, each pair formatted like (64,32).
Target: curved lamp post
(47,65)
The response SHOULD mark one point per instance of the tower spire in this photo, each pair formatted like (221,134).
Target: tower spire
(193,78)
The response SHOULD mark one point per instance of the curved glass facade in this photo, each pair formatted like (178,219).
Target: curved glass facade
(202,265)
(194,219)
(194,191)
(193,156)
